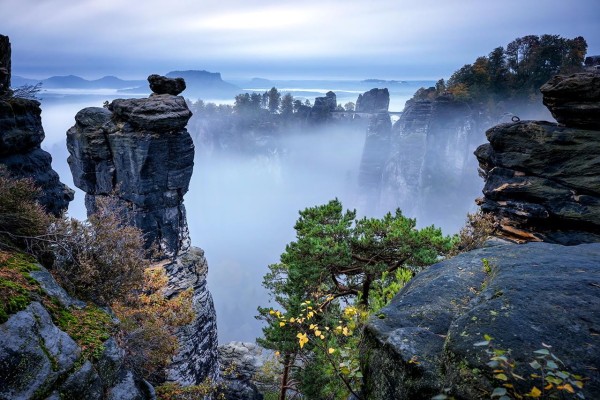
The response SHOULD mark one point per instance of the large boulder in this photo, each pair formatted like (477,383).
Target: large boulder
(159,113)
(38,360)
(373,101)
(574,100)
(163,85)
(542,181)
(526,297)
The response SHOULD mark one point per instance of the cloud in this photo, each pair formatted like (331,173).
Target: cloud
(95,36)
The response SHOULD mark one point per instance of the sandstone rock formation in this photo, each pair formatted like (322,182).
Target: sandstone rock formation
(430,168)
(163,85)
(39,360)
(533,295)
(141,150)
(241,363)
(21,135)
(5,62)
(321,110)
(373,101)
(542,178)
(574,100)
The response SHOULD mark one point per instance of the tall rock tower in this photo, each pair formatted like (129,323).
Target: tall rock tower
(140,150)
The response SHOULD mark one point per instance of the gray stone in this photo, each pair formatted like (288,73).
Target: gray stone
(34,353)
(83,384)
(542,181)
(151,170)
(574,100)
(163,85)
(197,357)
(535,294)
(161,113)
(5,71)
(110,362)
(130,388)
(373,101)
(53,289)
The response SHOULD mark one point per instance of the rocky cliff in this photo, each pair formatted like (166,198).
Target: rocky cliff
(21,135)
(52,348)
(430,168)
(534,299)
(542,178)
(140,150)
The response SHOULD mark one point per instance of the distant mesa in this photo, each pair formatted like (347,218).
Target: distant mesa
(163,85)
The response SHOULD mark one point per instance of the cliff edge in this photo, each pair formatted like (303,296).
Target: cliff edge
(527,302)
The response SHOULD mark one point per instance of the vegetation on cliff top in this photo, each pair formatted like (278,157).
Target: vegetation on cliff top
(514,73)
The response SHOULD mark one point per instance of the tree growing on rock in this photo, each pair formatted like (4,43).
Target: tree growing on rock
(337,259)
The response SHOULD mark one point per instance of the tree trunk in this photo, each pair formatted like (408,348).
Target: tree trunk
(286,373)
(365,291)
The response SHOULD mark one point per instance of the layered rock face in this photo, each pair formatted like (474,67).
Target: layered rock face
(373,101)
(430,168)
(21,135)
(542,178)
(532,295)
(321,110)
(140,150)
(541,184)
(39,360)
(5,62)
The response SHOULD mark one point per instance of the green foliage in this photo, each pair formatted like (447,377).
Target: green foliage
(174,391)
(549,379)
(17,288)
(90,327)
(336,261)
(512,73)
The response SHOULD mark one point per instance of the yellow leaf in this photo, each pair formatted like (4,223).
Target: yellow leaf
(277,354)
(271,312)
(292,320)
(579,384)
(331,350)
(282,324)
(322,337)
(317,332)
(568,388)
(535,392)
(548,386)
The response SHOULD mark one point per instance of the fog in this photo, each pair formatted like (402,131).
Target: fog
(242,206)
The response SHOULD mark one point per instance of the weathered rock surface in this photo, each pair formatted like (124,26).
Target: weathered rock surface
(373,101)
(430,168)
(5,60)
(243,368)
(321,110)
(197,358)
(542,178)
(372,163)
(21,135)
(140,149)
(535,294)
(163,85)
(37,359)
(574,100)
(149,162)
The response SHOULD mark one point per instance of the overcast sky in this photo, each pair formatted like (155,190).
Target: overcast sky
(389,39)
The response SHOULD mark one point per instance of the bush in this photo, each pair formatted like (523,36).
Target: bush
(22,219)
(148,323)
(478,228)
(102,259)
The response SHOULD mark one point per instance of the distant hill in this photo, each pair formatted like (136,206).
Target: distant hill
(205,85)
(200,84)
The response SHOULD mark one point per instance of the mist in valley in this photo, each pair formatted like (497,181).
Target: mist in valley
(249,184)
